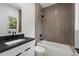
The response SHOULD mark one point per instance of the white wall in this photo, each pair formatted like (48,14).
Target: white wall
(28,19)
(5,12)
(38,22)
(76,25)
(76,16)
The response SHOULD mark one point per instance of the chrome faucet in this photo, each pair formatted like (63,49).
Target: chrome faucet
(13,33)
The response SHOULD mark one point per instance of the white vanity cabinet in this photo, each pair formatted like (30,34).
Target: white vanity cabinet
(21,50)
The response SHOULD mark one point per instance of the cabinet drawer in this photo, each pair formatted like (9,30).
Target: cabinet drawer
(18,49)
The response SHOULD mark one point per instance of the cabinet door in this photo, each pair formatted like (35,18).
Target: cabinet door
(29,52)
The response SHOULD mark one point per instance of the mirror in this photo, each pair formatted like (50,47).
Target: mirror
(10,19)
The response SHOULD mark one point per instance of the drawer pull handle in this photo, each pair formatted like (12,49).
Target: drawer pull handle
(27,48)
(18,54)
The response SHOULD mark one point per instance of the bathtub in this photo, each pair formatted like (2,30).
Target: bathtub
(56,49)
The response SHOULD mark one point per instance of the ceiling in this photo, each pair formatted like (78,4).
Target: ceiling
(18,5)
(46,4)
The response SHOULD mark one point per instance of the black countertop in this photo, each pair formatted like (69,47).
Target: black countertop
(4,47)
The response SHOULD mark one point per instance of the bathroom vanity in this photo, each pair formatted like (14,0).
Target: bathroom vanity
(12,41)
(16,45)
